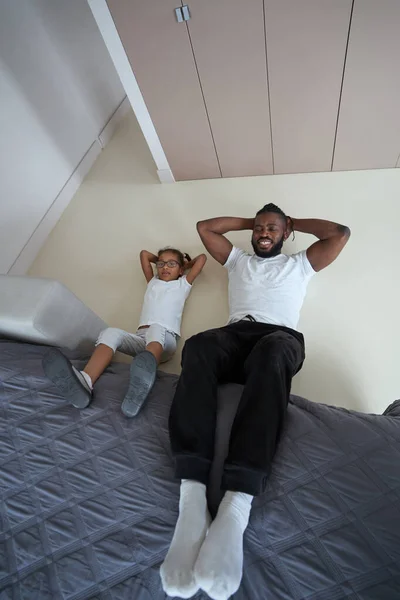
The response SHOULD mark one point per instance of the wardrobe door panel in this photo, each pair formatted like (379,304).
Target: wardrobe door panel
(160,53)
(228,41)
(369,121)
(306,47)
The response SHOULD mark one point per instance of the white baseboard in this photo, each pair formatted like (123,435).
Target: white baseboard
(32,247)
(110,127)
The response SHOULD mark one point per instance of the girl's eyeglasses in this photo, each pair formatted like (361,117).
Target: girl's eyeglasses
(170,263)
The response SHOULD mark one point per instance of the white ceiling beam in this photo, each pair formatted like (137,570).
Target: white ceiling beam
(118,55)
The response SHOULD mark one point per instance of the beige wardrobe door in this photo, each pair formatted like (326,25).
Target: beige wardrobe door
(228,41)
(306,47)
(368,134)
(159,50)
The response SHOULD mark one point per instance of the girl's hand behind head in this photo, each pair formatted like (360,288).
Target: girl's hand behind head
(188,263)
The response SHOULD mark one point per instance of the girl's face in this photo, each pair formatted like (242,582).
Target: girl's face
(168,267)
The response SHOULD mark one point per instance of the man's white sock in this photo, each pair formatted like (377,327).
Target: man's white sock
(191,528)
(218,570)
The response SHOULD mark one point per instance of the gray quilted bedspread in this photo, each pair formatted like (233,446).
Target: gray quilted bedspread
(88,501)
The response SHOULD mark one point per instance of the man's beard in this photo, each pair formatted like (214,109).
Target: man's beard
(271,252)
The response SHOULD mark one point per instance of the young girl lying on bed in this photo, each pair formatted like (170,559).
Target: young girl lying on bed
(154,341)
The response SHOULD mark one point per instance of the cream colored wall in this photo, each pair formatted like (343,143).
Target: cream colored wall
(350,317)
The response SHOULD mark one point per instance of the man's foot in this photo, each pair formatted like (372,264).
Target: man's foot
(177,570)
(218,570)
(72,383)
(142,377)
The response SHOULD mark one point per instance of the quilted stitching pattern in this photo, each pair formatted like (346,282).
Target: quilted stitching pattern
(328,525)
(88,502)
(88,499)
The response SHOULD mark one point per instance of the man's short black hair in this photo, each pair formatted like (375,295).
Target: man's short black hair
(272,208)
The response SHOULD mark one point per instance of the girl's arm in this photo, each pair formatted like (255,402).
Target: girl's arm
(196,266)
(146,258)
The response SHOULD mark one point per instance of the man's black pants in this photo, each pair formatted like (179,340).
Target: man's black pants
(262,357)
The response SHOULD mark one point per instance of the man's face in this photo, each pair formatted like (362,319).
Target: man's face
(269,233)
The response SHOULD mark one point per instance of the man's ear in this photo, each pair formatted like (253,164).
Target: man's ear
(289,228)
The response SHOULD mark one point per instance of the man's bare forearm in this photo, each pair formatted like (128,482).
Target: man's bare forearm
(212,233)
(223,225)
(323,230)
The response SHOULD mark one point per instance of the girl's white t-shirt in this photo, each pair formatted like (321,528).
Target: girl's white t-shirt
(164,302)
(271,290)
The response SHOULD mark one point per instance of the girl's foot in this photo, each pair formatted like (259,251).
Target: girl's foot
(142,377)
(73,384)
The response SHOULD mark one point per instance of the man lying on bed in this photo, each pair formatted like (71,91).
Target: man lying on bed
(261,348)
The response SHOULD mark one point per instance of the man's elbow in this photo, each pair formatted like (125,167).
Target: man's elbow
(201,227)
(344,232)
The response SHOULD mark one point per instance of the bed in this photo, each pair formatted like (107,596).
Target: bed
(88,501)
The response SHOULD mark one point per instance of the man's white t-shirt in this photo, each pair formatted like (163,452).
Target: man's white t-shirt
(271,290)
(164,302)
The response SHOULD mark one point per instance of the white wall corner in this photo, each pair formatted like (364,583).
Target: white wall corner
(118,55)
(31,249)
(165,176)
(109,129)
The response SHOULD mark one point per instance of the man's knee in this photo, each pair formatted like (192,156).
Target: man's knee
(203,344)
(277,341)
(200,341)
(278,347)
